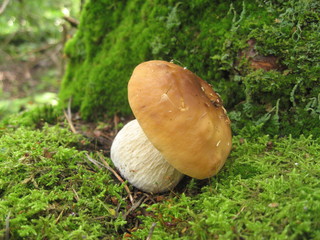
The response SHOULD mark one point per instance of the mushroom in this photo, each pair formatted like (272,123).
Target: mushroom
(180,124)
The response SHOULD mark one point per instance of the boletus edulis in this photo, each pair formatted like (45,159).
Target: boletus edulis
(181,128)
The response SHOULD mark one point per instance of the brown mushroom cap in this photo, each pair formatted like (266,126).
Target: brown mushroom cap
(181,116)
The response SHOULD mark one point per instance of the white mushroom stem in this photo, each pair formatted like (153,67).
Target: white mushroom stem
(140,162)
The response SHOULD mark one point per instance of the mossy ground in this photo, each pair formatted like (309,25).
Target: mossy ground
(269,189)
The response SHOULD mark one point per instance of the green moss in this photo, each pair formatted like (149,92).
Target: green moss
(268,190)
(101,62)
(48,190)
(34,117)
(114,37)
(269,187)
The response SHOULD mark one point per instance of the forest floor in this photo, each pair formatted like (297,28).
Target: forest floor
(59,184)
(58,181)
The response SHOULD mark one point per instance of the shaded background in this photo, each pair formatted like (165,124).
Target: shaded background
(32,37)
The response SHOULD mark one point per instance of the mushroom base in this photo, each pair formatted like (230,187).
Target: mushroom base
(139,162)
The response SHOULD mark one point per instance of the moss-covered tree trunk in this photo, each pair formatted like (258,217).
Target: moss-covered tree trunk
(261,56)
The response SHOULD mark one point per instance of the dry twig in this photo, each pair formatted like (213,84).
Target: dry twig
(73,22)
(151,231)
(98,164)
(70,122)
(3,6)
(69,117)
